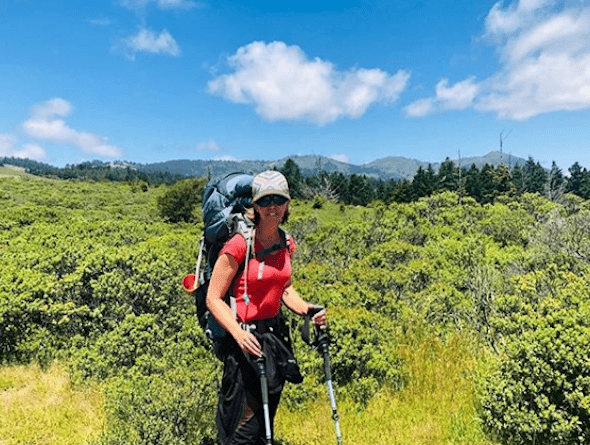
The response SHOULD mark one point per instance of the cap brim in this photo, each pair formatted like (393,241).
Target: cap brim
(270,192)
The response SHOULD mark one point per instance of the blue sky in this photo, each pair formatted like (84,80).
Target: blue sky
(155,80)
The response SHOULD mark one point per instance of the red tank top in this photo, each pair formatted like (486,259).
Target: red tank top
(266,282)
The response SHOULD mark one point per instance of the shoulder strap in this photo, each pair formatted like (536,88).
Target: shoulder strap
(248,233)
(285,242)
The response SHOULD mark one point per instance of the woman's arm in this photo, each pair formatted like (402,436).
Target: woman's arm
(295,303)
(224,271)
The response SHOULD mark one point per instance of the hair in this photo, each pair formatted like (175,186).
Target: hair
(257,216)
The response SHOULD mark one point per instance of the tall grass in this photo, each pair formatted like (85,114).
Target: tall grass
(436,407)
(41,408)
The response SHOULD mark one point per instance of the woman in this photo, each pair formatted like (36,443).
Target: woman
(240,416)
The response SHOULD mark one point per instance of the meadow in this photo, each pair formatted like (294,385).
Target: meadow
(451,322)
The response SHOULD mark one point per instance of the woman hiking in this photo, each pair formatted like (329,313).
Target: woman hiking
(256,330)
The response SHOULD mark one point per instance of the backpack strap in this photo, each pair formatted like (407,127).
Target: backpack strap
(249,237)
(249,234)
(199,259)
(263,254)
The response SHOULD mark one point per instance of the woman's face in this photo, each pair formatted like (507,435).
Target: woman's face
(272,208)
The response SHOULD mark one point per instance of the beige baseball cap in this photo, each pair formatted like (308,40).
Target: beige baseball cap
(269,182)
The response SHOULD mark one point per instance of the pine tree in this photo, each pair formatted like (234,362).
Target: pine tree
(292,173)
(535,177)
(578,181)
(472,183)
(555,185)
(448,176)
(487,184)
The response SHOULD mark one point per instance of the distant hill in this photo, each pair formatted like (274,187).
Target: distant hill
(393,167)
(13,171)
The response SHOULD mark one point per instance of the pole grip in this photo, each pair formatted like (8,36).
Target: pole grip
(305,328)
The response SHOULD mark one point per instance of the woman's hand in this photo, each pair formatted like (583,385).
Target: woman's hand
(248,343)
(319,319)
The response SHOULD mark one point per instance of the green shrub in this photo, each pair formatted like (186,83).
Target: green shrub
(174,408)
(364,353)
(541,391)
(179,201)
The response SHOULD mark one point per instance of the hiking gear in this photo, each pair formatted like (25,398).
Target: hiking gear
(251,386)
(269,183)
(267,277)
(240,415)
(225,201)
(264,387)
(269,200)
(275,340)
(322,343)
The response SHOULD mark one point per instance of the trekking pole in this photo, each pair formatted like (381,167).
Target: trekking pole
(264,388)
(322,343)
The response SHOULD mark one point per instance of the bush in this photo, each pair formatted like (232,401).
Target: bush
(178,203)
(541,391)
(174,408)
(364,353)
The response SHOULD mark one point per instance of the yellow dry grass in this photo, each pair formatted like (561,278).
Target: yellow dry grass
(42,408)
(435,408)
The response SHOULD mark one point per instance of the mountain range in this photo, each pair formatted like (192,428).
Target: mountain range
(392,167)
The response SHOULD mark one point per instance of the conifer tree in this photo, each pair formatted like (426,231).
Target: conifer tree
(555,184)
(578,181)
(448,176)
(472,183)
(292,173)
(534,177)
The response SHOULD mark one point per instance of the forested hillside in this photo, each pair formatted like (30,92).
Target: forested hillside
(452,320)
(481,178)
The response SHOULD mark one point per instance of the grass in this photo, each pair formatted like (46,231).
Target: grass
(12,172)
(41,408)
(436,407)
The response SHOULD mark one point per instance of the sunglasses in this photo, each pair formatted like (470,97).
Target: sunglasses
(268,200)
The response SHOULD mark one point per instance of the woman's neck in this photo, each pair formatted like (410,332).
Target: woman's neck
(267,234)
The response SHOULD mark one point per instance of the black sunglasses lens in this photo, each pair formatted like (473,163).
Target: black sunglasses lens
(271,199)
(264,202)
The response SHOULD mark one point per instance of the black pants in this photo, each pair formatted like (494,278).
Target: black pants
(240,414)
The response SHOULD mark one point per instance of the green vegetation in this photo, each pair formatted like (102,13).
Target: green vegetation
(483,179)
(15,172)
(451,321)
(484,185)
(40,407)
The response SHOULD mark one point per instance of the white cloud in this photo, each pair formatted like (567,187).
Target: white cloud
(501,20)
(226,158)
(51,108)
(31,151)
(283,84)
(544,50)
(45,125)
(340,158)
(546,60)
(148,41)
(420,108)
(208,146)
(162,4)
(9,144)
(456,97)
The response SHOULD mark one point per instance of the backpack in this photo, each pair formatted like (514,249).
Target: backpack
(224,203)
